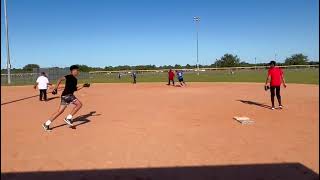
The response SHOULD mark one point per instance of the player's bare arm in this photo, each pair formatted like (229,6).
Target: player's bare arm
(59,82)
(55,90)
(267,80)
(283,81)
(35,85)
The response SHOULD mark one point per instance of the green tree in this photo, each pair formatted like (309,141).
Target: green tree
(30,67)
(84,68)
(297,59)
(313,62)
(108,68)
(166,67)
(228,60)
(244,64)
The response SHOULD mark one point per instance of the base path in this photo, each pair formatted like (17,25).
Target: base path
(152,125)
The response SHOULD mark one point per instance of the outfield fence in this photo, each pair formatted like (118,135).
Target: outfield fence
(53,75)
(206,74)
(210,69)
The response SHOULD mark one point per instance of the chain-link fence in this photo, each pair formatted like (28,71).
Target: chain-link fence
(297,74)
(53,75)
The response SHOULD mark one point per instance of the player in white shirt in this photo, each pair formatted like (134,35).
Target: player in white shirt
(42,83)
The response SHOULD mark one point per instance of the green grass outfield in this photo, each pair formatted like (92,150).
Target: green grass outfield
(299,76)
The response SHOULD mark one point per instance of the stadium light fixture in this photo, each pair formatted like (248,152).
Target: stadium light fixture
(196,19)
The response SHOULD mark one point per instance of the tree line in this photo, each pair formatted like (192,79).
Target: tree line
(227,60)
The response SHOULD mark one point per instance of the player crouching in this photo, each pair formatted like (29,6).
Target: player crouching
(67,97)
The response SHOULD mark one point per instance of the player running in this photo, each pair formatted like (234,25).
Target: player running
(67,97)
(276,77)
(180,77)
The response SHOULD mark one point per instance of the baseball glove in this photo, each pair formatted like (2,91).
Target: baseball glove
(266,88)
(55,91)
(86,85)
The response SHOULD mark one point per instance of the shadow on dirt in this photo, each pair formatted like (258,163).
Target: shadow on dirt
(255,103)
(19,100)
(29,97)
(80,120)
(52,98)
(286,171)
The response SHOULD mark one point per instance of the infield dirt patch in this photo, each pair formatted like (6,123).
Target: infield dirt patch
(154,125)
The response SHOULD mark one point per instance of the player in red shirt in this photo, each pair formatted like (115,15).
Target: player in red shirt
(171,77)
(276,77)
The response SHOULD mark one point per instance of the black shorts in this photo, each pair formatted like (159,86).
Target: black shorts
(67,99)
(180,79)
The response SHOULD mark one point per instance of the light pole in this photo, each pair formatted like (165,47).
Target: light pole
(197,21)
(7,42)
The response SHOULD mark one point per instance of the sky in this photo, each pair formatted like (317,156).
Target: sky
(162,32)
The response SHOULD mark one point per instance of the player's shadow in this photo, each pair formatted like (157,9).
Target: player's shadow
(19,100)
(78,121)
(255,104)
(29,97)
(52,98)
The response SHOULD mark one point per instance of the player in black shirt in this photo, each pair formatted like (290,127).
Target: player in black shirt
(67,97)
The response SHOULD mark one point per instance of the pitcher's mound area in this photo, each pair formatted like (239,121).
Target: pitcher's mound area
(156,131)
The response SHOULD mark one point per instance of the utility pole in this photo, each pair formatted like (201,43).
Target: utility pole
(7,42)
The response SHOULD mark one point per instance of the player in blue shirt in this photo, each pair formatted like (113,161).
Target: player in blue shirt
(134,76)
(180,77)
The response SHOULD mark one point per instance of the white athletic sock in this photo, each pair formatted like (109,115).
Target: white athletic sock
(69,116)
(48,123)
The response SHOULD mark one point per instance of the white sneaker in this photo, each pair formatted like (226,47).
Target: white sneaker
(68,121)
(46,127)
(272,108)
(280,107)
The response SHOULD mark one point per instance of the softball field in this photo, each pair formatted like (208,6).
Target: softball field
(152,131)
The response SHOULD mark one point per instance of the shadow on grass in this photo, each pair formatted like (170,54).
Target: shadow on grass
(255,104)
(78,121)
(286,171)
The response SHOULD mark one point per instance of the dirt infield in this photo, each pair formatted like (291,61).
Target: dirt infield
(149,125)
